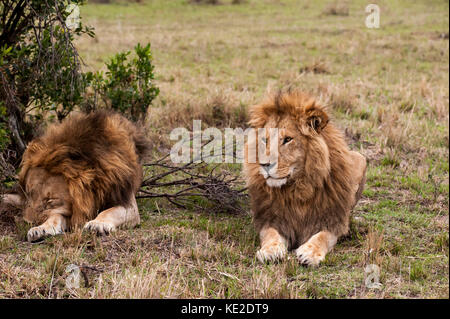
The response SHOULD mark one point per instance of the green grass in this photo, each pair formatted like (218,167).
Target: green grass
(387,87)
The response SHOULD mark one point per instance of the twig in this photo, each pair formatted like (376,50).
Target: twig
(53,275)
(220,188)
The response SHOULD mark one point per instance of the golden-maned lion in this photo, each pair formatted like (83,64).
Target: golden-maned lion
(84,171)
(302,198)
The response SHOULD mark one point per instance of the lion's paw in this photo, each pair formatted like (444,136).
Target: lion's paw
(309,254)
(101,228)
(40,232)
(271,253)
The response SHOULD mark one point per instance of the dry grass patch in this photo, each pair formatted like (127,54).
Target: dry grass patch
(337,8)
(387,89)
(317,67)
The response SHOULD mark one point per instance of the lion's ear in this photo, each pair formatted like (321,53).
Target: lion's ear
(316,118)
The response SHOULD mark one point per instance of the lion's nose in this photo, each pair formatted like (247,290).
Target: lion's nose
(267,166)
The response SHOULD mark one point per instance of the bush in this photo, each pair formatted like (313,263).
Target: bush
(41,77)
(39,66)
(127,87)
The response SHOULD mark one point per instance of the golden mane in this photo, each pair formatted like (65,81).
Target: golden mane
(323,196)
(98,154)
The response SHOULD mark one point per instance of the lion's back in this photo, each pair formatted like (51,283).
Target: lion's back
(95,134)
(99,154)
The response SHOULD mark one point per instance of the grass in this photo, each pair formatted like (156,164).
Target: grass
(386,88)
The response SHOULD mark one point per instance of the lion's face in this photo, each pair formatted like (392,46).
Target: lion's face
(43,193)
(288,143)
(288,161)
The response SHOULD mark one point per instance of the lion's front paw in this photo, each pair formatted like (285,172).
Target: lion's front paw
(101,228)
(40,232)
(272,252)
(309,254)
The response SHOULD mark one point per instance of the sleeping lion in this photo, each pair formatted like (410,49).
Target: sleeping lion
(82,172)
(302,196)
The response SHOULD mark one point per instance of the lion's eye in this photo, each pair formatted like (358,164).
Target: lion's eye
(287,139)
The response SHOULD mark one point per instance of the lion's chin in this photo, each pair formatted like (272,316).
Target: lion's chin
(275,182)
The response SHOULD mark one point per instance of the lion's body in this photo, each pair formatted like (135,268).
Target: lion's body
(93,159)
(306,207)
(328,177)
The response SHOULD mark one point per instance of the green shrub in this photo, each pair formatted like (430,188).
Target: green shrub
(39,65)
(126,87)
(41,78)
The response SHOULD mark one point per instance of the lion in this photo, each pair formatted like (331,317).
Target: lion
(301,197)
(85,172)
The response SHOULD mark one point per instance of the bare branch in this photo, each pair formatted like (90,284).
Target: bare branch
(183,184)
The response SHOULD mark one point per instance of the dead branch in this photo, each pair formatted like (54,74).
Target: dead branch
(6,169)
(182,185)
